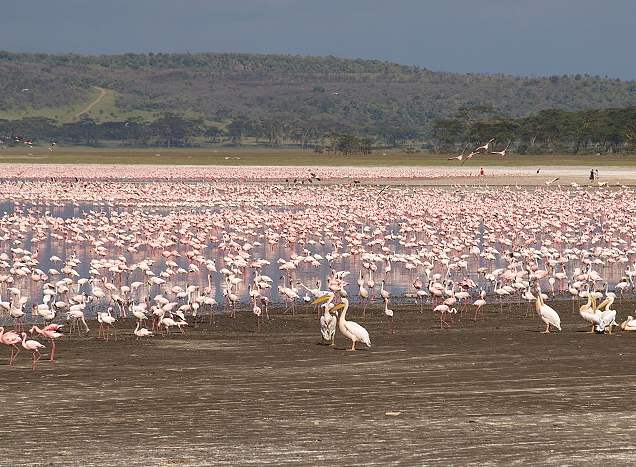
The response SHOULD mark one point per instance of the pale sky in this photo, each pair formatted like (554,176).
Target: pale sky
(537,37)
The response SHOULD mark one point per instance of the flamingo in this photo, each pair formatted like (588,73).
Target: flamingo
(109,320)
(363,293)
(442,309)
(256,310)
(388,312)
(33,346)
(502,153)
(75,315)
(10,339)
(142,332)
(484,148)
(385,294)
(167,324)
(51,333)
(460,158)
(481,301)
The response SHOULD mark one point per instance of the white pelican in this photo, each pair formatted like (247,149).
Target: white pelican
(327,321)
(629,324)
(589,314)
(328,324)
(607,315)
(350,329)
(547,314)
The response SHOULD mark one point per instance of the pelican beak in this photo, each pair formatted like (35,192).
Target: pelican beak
(339,306)
(323,299)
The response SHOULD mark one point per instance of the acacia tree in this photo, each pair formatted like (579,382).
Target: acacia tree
(174,130)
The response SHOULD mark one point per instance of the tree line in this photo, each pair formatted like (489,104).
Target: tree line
(549,131)
(173,130)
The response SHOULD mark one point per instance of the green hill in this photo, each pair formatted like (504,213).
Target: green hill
(292,93)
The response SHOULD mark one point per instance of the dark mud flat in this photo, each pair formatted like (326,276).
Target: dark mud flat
(492,392)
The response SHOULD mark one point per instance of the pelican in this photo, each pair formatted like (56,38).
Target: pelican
(607,315)
(328,324)
(629,324)
(547,314)
(588,313)
(327,321)
(350,329)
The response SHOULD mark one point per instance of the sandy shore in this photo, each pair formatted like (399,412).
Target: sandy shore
(429,175)
(489,393)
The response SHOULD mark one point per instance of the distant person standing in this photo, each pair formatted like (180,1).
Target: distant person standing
(481,172)
(592,175)
(596,173)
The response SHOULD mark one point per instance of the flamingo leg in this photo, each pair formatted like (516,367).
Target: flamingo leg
(476,312)
(35,360)
(14,355)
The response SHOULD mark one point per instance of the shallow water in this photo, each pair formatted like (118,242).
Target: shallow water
(398,281)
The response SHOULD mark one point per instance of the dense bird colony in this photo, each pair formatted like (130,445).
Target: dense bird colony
(169,254)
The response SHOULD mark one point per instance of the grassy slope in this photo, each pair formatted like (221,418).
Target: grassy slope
(356,93)
(75,155)
(63,114)
(105,110)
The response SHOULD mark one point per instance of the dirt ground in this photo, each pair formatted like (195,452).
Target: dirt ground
(490,392)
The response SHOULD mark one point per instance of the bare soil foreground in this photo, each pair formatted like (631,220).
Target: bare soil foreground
(495,391)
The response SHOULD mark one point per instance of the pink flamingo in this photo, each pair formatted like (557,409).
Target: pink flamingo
(442,310)
(481,301)
(50,332)
(33,346)
(11,339)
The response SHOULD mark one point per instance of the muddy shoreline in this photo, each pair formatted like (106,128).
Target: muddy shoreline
(495,391)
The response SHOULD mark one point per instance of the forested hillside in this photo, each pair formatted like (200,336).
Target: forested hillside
(272,98)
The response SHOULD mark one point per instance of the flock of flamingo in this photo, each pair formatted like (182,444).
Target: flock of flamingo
(77,248)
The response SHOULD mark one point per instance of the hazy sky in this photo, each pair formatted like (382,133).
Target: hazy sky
(496,36)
